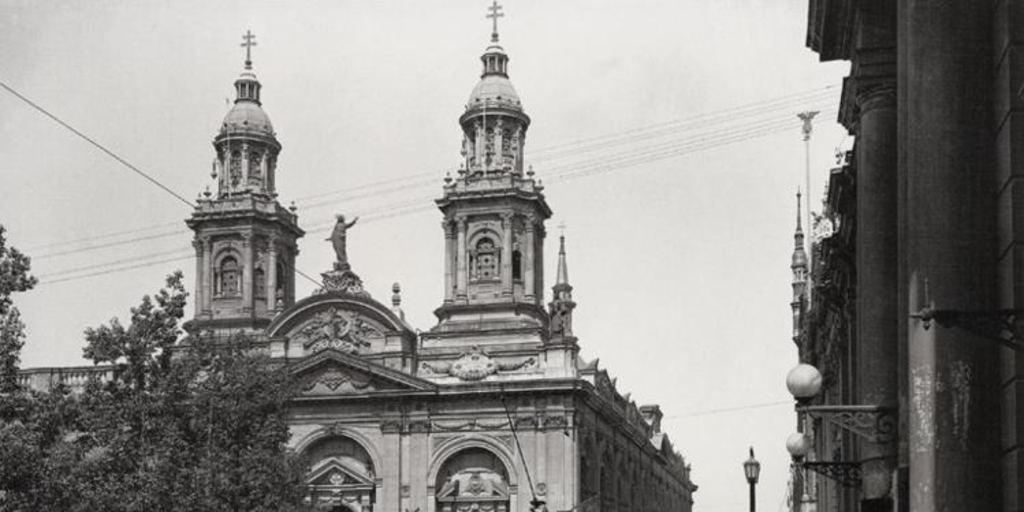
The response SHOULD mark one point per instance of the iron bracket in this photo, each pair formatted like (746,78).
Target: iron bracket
(847,474)
(999,325)
(875,423)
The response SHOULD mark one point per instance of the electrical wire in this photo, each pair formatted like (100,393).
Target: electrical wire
(742,113)
(85,137)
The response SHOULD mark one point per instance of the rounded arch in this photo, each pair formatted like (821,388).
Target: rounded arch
(327,432)
(483,232)
(305,308)
(473,441)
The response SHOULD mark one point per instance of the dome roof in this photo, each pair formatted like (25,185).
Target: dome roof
(494,91)
(247,116)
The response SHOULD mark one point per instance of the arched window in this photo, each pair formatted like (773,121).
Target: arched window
(472,479)
(485,260)
(341,474)
(230,277)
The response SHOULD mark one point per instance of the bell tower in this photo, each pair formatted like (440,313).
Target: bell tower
(494,216)
(245,240)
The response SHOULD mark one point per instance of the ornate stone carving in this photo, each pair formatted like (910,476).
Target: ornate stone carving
(337,329)
(330,379)
(475,365)
(344,282)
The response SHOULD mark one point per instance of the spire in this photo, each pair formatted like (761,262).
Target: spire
(799,255)
(560,309)
(563,267)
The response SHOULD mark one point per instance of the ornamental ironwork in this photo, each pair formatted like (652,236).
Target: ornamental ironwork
(847,474)
(872,422)
(999,325)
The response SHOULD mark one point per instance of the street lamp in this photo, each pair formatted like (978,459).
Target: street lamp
(873,423)
(752,468)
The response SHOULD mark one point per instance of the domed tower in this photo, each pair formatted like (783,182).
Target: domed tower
(245,240)
(494,217)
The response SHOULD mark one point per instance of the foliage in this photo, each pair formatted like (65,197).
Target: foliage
(14,277)
(199,425)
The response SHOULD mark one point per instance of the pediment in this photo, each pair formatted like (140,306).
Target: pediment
(340,472)
(355,325)
(334,373)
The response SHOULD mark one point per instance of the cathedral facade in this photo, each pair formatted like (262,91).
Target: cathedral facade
(490,410)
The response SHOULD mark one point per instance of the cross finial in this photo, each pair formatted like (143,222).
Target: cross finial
(248,43)
(496,13)
(561,229)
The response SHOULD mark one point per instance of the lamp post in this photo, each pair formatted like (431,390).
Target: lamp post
(752,468)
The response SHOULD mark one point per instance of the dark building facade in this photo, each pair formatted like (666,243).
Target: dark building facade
(914,291)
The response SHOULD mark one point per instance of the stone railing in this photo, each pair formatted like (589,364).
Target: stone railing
(74,377)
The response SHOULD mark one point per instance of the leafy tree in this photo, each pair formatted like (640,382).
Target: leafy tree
(199,425)
(14,277)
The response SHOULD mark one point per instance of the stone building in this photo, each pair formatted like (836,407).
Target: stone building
(916,292)
(490,410)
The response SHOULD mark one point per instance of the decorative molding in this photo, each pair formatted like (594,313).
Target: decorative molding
(332,378)
(475,365)
(343,281)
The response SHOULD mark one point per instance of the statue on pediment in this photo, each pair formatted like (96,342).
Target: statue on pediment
(337,239)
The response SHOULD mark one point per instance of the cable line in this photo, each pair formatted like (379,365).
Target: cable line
(97,144)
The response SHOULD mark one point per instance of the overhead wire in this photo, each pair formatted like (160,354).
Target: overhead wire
(741,113)
(568,172)
(101,147)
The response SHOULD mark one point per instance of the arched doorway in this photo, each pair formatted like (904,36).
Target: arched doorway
(473,479)
(341,476)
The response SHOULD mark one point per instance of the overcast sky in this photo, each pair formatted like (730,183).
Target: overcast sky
(679,226)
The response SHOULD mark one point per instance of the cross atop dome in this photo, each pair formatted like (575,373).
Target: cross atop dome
(496,13)
(248,43)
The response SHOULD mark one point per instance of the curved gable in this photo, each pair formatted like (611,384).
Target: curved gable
(346,323)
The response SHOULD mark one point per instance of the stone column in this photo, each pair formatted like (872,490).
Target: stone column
(954,409)
(877,259)
(449,260)
(506,254)
(200,274)
(528,257)
(461,269)
(271,274)
(207,291)
(248,279)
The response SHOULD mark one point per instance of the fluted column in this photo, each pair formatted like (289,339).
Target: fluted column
(449,260)
(248,279)
(461,269)
(207,290)
(271,274)
(506,254)
(528,256)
